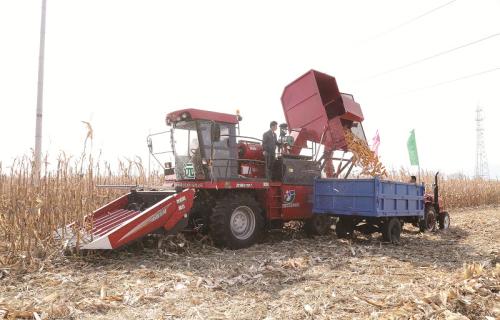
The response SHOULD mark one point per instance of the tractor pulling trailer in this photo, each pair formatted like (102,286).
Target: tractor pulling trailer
(220,186)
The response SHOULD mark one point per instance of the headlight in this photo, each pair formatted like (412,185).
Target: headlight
(184,115)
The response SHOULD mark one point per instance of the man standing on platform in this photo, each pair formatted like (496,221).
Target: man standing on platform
(269,143)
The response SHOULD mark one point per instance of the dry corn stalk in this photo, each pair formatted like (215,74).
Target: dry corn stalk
(30,215)
(363,156)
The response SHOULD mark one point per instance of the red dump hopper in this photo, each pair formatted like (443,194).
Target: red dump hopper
(314,105)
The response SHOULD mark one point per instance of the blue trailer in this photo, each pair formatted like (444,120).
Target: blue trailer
(369,205)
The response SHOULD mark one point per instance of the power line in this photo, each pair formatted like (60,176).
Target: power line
(472,75)
(432,56)
(410,21)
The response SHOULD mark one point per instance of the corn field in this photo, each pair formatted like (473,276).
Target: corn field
(457,191)
(30,212)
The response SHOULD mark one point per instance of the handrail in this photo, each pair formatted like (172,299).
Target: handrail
(158,133)
(238,136)
(236,159)
(149,142)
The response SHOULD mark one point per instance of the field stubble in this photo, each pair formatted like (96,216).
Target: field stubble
(450,274)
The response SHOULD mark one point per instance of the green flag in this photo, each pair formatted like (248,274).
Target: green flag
(412,149)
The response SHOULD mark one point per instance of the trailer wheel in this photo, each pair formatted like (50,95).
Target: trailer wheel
(444,220)
(318,225)
(344,228)
(391,231)
(428,223)
(236,221)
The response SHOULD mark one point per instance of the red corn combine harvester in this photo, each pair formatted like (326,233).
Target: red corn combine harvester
(220,185)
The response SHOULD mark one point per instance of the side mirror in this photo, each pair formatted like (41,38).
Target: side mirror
(168,171)
(215,132)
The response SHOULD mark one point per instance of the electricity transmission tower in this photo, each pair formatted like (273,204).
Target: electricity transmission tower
(482,170)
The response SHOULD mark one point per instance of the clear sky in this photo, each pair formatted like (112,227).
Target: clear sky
(122,65)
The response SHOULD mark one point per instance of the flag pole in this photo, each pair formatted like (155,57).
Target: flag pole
(420,180)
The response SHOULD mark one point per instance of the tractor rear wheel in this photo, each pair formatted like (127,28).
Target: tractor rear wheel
(391,231)
(444,220)
(236,221)
(344,227)
(428,223)
(318,225)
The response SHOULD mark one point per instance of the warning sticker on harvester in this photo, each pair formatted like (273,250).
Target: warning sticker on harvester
(189,172)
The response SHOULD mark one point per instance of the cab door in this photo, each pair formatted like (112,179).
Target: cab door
(221,152)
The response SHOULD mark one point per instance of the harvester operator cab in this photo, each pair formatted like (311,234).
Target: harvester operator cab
(204,144)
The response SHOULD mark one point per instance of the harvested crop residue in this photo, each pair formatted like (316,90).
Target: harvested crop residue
(451,274)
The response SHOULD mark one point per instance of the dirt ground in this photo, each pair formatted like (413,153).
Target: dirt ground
(287,276)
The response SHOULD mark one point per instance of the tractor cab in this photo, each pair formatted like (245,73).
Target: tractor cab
(204,144)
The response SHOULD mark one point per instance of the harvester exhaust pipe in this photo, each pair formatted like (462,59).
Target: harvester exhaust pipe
(436,193)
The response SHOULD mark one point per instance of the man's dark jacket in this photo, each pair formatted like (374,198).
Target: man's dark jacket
(269,142)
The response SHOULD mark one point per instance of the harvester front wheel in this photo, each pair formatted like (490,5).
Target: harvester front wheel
(428,223)
(444,220)
(318,225)
(236,221)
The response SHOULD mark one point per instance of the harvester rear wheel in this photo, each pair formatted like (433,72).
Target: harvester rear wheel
(428,223)
(391,231)
(236,221)
(444,220)
(318,225)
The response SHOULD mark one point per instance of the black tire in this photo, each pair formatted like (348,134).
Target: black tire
(444,220)
(225,221)
(391,231)
(318,225)
(344,228)
(200,213)
(428,223)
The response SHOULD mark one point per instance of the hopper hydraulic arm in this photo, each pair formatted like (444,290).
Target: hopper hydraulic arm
(316,111)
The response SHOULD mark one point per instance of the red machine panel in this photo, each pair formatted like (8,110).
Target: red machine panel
(197,114)
(296,202)
(250,150)
(314,103)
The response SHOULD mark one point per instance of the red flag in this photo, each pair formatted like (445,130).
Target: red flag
(375,143)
